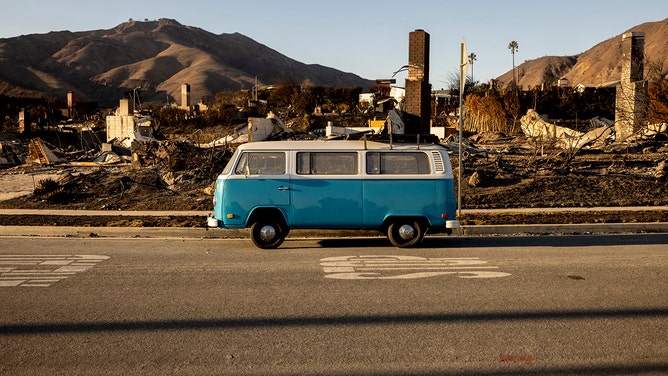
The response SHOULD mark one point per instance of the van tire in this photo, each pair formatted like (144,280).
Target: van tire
(405,232)
(267,234)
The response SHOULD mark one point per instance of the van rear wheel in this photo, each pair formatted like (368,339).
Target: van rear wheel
(404,233)
(267,234)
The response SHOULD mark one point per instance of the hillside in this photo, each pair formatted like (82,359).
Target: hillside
(599,65)
(158,56)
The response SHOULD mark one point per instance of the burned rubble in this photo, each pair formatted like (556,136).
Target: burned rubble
(517,172)
(500,171)
(610,163)
(157,175)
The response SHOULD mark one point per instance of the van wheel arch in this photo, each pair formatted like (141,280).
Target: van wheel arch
(268,227)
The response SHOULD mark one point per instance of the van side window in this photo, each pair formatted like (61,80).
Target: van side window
(326,163)
(397,163)
(261,163)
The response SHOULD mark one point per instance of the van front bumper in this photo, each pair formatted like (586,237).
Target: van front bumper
(213,222)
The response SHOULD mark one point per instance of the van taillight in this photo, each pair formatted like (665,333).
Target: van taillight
(444,216)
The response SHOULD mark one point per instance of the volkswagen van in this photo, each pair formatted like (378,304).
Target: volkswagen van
(401,190)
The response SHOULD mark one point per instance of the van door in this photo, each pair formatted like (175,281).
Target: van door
(260,179)
(326,190)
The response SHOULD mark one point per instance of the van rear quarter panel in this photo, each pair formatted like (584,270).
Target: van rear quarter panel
(406,197)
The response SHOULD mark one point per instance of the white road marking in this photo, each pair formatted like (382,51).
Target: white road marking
(43,270)
(386,267)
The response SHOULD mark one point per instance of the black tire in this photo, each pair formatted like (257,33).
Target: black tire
(404,233)
(267,234)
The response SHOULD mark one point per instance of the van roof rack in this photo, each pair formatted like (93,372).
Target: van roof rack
(397,138)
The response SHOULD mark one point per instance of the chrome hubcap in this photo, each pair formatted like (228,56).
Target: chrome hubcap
(267,233)
(407,232)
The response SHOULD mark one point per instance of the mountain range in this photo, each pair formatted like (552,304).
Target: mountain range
(156,56)
(598,66)
(160,56)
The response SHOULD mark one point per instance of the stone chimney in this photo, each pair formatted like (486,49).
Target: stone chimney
(70,105)
(185,97)
(631,101)
(24,121)
(124,107)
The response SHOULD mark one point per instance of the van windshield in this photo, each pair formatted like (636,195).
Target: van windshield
(230,163)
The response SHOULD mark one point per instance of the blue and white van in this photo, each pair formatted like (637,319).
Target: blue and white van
(402,190)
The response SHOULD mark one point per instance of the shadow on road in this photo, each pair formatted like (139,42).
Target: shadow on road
(620,368)
(240,323)
(506,241)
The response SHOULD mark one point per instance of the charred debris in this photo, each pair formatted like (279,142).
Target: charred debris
(129,143)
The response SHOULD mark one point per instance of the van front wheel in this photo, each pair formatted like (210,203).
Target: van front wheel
(267,234)
(405,233)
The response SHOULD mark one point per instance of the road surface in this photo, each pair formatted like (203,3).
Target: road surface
(577,305)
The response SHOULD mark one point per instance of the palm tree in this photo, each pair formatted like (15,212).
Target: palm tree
(472,58)
(513,46)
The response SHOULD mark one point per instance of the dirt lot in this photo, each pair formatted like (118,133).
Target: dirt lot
(499,172)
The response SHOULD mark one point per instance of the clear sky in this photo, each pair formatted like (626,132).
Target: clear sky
(368,37)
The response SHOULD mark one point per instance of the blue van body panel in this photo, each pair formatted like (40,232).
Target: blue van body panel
(405,198)
(364,200)
(240,197)
(335,205)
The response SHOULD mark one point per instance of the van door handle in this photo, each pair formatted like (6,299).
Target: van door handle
(283,188)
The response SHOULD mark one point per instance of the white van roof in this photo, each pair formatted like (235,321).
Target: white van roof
(313,145)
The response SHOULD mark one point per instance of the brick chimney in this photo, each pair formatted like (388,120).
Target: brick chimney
(417,103)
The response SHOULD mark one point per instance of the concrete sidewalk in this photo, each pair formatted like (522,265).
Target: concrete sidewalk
(207,233)
(196,213)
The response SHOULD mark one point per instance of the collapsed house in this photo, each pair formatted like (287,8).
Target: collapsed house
(533,125)
(255,129)
(10,153)
(392,124)
(395,123)
(40,153)
(127,125)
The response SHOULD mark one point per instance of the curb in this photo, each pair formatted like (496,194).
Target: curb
(216,233)
(579,228)
(204,214)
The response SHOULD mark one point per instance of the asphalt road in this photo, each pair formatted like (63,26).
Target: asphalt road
(558,305)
